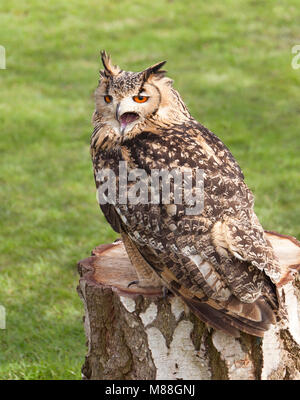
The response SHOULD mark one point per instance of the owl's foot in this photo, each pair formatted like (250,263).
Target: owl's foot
(164,289)
(144,283)
(133,283)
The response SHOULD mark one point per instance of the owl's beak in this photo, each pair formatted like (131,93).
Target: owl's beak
(117,112)
(125,118)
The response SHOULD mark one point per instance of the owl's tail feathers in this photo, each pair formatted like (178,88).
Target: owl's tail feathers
(259,311)
(287,251)
(254,318)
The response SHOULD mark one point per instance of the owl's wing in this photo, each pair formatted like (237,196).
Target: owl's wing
(111,216)
(230,316)
(219,148)
(230,300)
(243,237)
(217,261)
(220,271)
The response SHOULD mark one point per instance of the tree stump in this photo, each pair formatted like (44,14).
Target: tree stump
(135,333)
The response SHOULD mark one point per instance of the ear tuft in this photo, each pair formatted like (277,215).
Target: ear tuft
(154,70)
(109,68)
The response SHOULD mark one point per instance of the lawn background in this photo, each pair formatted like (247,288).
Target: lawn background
(231,61)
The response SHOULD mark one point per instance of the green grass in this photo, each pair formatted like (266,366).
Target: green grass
(231,61)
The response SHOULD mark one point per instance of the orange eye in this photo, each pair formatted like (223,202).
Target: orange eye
(107,99)
(140,99)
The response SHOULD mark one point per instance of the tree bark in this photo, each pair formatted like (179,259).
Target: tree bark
(135,333)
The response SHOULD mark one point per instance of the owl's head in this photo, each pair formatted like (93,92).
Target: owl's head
(128,101)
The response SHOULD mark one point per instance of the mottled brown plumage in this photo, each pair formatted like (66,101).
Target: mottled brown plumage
(219,261)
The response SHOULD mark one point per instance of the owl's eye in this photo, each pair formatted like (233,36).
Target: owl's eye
(140,99)
(107,99)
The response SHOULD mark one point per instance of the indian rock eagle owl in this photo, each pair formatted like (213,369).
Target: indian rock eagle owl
(219,261)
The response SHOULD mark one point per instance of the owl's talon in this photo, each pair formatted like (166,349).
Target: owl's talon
(132,283)
(165,291)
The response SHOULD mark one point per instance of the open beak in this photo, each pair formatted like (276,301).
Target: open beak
(125,118)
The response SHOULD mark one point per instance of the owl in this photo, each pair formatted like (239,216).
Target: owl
(216,257)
